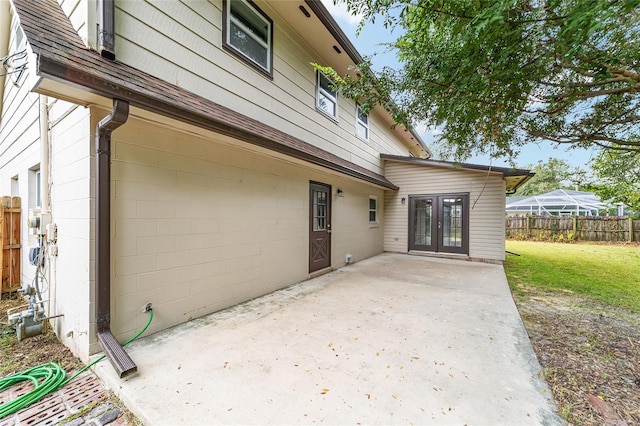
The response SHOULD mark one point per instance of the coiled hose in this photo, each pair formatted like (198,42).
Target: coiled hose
(46,378)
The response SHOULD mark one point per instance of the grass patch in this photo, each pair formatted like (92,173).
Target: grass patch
(606,273)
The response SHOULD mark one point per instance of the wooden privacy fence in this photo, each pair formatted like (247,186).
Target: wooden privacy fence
(10,243)
(584,228)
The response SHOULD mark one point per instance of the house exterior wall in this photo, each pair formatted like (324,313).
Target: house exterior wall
(81,13)
(70,273)
(486,210)
(181,42)
(199,225)
(199,221)
(19,149)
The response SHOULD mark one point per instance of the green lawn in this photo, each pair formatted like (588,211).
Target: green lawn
(607,273)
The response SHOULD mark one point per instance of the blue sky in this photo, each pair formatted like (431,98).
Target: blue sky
(368,44)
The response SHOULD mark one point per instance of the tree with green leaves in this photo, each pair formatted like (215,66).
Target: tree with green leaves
(496,74)
(617,177)
(550,175)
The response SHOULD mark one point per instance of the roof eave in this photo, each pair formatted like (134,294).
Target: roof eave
(56,71)
(332,26)
(506,173)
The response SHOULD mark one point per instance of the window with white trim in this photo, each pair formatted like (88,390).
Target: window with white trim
(373,210)
(362,124)
(326,96)
(248,32)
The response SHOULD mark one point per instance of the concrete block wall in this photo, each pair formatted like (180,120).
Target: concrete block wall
(68,275)
(71,272)
(199,225)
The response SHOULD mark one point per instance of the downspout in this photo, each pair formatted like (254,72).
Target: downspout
(120,360)
(106,29)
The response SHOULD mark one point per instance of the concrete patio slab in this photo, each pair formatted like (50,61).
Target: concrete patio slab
(394,339)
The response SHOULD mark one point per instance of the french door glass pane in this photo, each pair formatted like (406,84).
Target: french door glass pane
(423,217)
(452,222)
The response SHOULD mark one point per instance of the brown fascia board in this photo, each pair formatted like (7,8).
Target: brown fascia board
(504,171)
(332,26)
(62,57)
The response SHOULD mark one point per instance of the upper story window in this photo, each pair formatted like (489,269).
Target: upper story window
(326,96)
(248,32)
(362,124)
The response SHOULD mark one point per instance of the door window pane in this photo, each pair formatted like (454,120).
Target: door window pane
(319,210)
(452,222)
(423,217)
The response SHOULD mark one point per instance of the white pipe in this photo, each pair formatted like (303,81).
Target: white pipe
(45,201)
(5,33)
(44,154)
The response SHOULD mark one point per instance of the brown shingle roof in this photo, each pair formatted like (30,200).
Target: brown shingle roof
(63,57)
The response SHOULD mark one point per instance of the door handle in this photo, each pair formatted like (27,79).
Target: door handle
(439,224)
(328,231)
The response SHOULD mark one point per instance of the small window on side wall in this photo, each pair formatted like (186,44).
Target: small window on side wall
(248,33)
(362,124)
(38,190)
(326,97)
(373,210)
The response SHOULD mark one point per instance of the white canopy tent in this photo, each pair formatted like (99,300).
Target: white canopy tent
(560,202)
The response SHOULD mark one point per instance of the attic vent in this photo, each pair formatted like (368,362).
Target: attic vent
(305,12)
(337,49)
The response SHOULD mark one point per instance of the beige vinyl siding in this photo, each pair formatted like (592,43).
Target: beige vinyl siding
(181,43)
(19,148)
(80,13)
(486,209)
(199,224)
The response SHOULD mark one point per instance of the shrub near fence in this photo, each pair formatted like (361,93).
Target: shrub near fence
(584,228)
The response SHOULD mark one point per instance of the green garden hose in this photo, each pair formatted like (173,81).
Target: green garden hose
(52,378)
(46,378)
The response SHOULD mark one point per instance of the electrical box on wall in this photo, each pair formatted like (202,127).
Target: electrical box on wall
(51,232)
(33,221)
(38,221)
(45,220)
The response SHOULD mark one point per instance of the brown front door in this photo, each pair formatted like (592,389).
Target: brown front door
(319,226)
